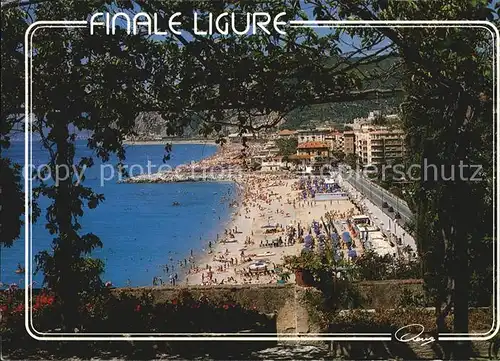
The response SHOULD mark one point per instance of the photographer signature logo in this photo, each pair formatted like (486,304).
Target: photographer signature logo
(403,335)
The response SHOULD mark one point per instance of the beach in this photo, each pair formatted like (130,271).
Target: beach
(272,213)
(268,208)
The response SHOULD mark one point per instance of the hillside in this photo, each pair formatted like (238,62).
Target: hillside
(377,75)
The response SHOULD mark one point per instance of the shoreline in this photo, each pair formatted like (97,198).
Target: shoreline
(268,217)
(204,256)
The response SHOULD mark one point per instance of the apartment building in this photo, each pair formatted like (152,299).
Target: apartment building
(378,145)
(349,142)
(335,140)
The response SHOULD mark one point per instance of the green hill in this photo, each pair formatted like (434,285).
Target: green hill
(376,75)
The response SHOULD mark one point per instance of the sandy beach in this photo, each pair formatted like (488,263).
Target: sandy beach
(267,201)
(271,218)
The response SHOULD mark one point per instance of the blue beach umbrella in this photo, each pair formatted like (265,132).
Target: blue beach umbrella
(346,237)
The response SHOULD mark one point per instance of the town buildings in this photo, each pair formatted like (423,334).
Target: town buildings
(373,144)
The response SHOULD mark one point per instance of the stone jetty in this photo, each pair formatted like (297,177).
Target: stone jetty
(176,177)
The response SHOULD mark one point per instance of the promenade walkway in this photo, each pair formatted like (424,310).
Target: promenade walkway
(387,224)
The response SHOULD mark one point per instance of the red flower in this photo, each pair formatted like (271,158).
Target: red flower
(19,308)
(4,308)
(174,301)
(225,307)
(43,299)
(137,308)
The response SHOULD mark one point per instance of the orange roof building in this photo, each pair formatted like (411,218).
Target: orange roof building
(313,149)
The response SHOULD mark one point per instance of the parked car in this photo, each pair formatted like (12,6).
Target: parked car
(385,205)
(397,215)
(391,209)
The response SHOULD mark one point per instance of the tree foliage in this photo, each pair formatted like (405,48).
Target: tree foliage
(287,146)
(101,83)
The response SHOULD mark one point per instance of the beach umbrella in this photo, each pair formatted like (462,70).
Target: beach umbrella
(346,237)
(308,241)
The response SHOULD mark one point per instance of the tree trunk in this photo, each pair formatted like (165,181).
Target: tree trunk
(66,284)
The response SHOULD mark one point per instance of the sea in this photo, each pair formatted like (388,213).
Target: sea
(142,231)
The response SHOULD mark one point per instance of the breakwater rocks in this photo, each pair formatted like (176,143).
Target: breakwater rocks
(175,177)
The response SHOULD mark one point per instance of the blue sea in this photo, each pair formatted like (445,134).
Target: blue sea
(140,229)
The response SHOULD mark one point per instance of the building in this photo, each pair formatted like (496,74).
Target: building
(312,157)
(313,135)
(359,122)
(237,137)
(349,142)
(287,134)
(379,145)
(274,164)
(314,148)
(335,140)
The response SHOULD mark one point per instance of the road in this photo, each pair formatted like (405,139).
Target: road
(377,195)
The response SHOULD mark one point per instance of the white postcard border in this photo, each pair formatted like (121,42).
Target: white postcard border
(231,336)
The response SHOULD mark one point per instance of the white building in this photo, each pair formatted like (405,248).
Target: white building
(274,164)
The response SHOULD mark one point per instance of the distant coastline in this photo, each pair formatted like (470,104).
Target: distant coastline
(170,141)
